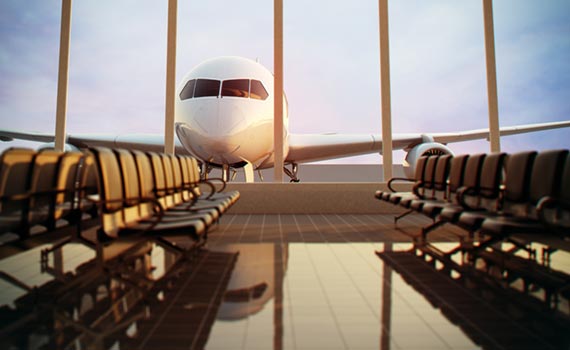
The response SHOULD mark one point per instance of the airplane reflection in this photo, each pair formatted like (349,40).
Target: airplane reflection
(256,277)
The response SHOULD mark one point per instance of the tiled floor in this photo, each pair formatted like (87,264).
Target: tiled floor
(268,282)
(322,228)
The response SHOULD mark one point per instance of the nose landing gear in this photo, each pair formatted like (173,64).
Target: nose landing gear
(226,173)
(229,173)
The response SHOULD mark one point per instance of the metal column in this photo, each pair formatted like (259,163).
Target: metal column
(385,89)
(170,77)
(63,76)
(386,310)
(493,99)
(278,89)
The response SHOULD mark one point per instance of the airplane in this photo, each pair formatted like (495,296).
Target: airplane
(224,118)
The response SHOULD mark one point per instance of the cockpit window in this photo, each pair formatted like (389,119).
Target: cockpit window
(258,92)
(234,87)
(237,87)
(188,90)
(207,87)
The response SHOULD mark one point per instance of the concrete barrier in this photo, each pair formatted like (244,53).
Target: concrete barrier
(312,198)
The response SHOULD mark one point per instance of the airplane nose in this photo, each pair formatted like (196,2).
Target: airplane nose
(220,119)
(230,116)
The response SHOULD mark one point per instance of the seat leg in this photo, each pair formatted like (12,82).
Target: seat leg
(186,254)
(472,251)
(396,218)
(44,254)
(427,229)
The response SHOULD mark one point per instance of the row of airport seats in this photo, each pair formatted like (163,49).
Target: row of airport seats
(40,190)
(129,192)
(496,195)
(515,203)
(158,195)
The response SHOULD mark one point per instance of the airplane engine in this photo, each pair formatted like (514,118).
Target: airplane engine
(422,149)
(51,145)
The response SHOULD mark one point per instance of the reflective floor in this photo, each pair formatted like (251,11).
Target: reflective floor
(271,282)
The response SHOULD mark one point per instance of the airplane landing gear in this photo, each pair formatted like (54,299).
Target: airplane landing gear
(226,170)
(205,171)
(293,172)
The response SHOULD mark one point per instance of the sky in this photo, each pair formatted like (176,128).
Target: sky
(331,64)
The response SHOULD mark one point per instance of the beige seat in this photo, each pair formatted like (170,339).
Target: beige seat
(42,190)
(124,211)
(15,172)
(137,186)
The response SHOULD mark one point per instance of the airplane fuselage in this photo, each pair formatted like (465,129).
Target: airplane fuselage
(224,113)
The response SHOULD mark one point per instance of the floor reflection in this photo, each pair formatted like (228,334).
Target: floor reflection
(152,294)
(482,301)
(129,294)
(322,296)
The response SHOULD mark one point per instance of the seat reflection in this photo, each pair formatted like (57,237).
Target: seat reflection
(140,293)
(485,304)
(116,296)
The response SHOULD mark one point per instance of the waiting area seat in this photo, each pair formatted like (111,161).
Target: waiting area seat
(508,204)
(40,190)
(496,194)
(129,192)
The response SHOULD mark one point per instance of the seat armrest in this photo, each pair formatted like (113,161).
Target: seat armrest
(416,188)
(550,203)
(466,191)
(217,179)
(211,185)
(398,179)
(157,207)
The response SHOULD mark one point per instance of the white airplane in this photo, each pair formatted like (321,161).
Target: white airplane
(224,117)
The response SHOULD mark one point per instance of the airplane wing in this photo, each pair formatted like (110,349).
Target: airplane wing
(302,147)
(8,135)
(314,147)
(143,142)
(505,131)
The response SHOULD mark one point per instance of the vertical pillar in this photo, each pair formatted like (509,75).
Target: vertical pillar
(170,77)
(63,76)
(278,89)
(58,268)
(386,312)
(492,97)
(278,275)
(385,89)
